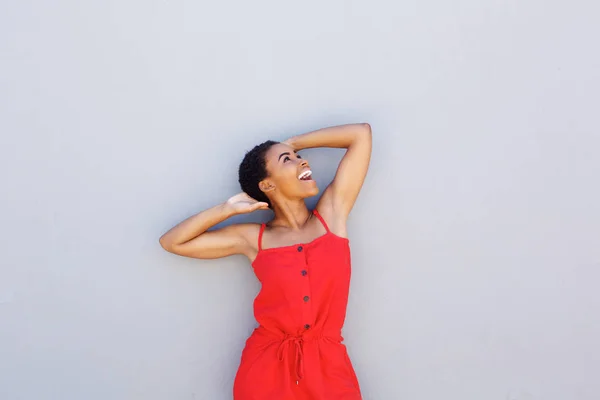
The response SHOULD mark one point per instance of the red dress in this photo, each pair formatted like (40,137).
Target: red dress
(296,353)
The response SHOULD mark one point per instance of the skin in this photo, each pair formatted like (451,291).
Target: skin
(293,222)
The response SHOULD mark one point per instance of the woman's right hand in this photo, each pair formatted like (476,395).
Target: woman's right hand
(241,203)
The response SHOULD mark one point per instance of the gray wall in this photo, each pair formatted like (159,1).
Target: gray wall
(475,239)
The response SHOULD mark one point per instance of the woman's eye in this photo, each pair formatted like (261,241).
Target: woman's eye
(298,155)
(286,159)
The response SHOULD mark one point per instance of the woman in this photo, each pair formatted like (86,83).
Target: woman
(302,259)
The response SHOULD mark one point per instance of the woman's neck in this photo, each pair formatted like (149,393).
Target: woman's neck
(291,215)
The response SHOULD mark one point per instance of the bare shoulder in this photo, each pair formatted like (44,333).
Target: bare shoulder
(249,232)
(336,221)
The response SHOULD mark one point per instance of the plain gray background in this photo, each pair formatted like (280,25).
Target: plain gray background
(475,240)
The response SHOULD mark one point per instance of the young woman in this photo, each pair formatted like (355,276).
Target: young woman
(302,259)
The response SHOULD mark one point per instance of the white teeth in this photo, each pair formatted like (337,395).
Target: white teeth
(305,174)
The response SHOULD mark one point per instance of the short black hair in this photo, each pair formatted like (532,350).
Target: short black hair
(253,169)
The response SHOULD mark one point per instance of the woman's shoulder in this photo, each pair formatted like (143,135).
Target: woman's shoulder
(335,223)
(248,230)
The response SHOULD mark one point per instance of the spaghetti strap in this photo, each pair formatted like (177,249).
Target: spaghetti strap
(260,234)
(321,219)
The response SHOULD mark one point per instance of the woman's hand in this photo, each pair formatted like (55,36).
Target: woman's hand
(241,203)
(290,142)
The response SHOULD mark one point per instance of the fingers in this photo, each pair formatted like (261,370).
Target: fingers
(261,205)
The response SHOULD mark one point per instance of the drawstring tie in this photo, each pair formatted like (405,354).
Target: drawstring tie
(283,352)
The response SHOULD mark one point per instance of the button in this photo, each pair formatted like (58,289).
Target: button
(306,326)
(304,272)
(299,248)
(306,298)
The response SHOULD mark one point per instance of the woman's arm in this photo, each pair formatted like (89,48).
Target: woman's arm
(339,197)
(191,238)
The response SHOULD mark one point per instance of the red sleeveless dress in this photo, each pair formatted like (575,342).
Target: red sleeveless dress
(296,352)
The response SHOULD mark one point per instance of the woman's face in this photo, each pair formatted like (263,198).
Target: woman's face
(288,174)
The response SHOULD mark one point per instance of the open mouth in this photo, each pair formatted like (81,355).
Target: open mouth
(306,175)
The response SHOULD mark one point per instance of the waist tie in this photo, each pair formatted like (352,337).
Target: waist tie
(283,352)
(298,355)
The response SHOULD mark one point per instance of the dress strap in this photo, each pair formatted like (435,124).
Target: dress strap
(321,219)
(260,235)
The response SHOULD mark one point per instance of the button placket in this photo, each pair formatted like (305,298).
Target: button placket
(305,288)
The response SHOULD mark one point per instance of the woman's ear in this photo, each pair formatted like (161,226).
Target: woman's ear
(266,185)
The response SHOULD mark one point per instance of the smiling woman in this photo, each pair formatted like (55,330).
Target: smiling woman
(296,352)
(283,170)
(305,175)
